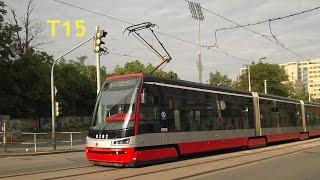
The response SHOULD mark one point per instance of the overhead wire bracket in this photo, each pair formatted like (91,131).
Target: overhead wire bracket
(148,25)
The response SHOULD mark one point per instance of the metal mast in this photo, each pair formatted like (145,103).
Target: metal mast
(197,14)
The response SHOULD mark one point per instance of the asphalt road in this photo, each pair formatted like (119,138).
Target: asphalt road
(17,165)
(297,160)
(304,165)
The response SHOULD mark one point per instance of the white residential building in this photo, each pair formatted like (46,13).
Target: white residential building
(305,75)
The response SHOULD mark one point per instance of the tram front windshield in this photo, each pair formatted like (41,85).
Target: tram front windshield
(115,107)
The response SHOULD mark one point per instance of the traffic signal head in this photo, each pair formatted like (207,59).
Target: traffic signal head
(101,34)
(58,109)
(97,40)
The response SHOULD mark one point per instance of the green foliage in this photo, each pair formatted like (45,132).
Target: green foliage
(137,67)
(219,79)
(273,73)
(25,79)
(25,85)
(76,86)
(300,95)
(8,43)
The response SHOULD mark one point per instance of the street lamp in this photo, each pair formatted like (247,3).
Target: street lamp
(53,104)
(249,77)
(309,97)
(197,14)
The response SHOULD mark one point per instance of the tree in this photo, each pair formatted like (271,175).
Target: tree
(32,74)
(273,73)
(30,35)
(25,75)
(219,79)
(300,95)
(137,67)
(7,37)
(76,86)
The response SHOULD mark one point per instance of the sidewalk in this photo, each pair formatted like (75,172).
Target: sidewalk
(12,152)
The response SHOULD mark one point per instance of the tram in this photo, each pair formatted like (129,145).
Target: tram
(141,118)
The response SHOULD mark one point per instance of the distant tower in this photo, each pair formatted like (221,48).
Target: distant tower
(197,14)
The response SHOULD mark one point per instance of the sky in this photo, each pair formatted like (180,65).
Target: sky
(299,33)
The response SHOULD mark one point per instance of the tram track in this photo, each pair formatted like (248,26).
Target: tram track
(242,164)
(221,159)
(81,174)
(45,171)
(134,173)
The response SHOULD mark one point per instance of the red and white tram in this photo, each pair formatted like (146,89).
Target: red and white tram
(141,118)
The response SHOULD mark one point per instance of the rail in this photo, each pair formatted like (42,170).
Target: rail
(7,133)
(34,139)
(10,139)
(71,137)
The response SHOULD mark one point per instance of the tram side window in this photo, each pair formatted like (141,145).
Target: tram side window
(269,113)
(308,115)
(234,112)
(171,105)
(190,112)
(317,120)
(299,115)
(312,115)
(149,115)
(210,112)
(184,110)
(197,111)
(288,114)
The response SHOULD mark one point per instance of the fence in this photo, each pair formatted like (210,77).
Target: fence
(21,141)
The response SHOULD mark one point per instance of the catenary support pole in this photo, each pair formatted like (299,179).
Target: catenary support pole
(249,78)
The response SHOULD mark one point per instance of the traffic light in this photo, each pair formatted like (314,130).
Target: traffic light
(58,109)
(97,40)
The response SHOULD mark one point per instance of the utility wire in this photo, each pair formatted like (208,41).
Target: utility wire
(94,12)
(261,22)
(144,59)
(128,55)
(271,19)
(164,34)
(281,45)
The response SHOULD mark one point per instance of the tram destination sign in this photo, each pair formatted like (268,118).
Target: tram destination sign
(122,83)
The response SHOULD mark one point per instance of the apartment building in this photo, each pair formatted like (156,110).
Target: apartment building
(305,75)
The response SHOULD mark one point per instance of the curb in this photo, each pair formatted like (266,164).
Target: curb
(3,155)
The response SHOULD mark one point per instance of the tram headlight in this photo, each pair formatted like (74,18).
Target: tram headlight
(122,141)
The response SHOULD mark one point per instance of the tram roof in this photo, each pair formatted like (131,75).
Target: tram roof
(153,78)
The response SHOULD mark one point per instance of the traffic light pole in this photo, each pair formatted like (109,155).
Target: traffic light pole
(53,109)
(98,67)
(98,72)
